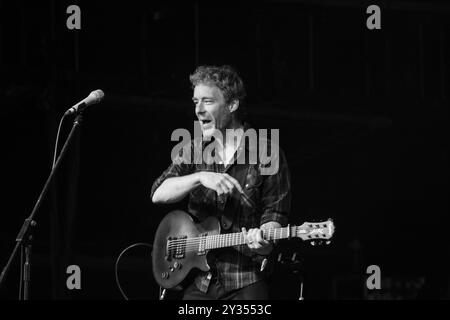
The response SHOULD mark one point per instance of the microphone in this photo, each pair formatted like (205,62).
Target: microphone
(93,98)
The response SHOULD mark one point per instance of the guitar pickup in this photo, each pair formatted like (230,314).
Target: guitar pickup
(178,247)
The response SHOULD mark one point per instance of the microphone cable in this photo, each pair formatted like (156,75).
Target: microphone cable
(21,273)
(117,263)
(123,251)
(57,139)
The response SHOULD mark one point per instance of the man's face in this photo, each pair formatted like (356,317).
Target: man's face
(211,109)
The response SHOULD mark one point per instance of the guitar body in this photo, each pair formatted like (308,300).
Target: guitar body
(170,266)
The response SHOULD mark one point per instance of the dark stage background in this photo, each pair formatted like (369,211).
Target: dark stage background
(312,69)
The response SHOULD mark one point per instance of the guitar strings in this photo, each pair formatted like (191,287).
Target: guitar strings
(197,241)
(222,240)
(193,244)
(214,238)
(223,237)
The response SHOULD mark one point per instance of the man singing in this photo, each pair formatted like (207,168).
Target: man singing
(229,185)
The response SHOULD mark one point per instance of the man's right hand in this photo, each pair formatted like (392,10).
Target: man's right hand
(222,183)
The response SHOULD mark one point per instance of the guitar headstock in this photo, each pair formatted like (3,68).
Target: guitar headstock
(316,232)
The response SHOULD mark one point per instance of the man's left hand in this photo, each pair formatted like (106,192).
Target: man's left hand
(255,240)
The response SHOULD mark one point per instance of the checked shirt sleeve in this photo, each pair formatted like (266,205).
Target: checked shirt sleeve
(181,165)
(276,194)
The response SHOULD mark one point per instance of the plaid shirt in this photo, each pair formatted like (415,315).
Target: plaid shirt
(268,199)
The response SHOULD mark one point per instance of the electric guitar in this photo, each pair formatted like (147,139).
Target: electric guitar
(181,245)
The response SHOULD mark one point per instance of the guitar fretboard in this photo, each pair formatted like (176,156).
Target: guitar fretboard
(202,243)
(235,239)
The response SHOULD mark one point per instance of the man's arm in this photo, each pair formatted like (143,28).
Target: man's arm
(175,189)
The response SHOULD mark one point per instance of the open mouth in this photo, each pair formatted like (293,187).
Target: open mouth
(205,122)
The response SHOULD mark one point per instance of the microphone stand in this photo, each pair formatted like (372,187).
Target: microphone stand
(25,236)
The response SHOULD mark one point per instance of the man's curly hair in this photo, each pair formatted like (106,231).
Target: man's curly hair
(226,79)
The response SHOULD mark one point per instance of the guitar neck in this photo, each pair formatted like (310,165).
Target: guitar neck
(235,239)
